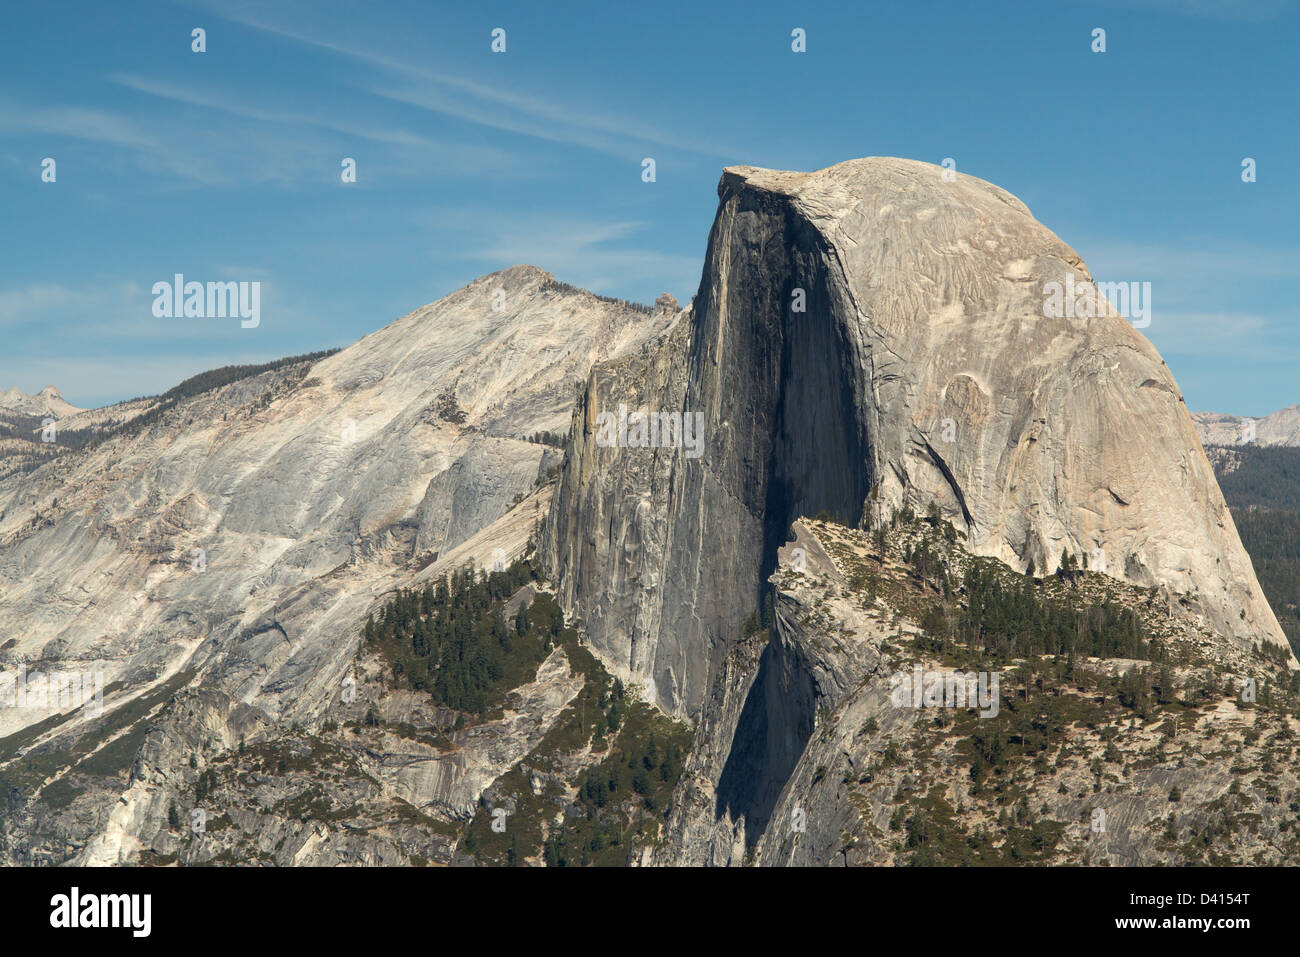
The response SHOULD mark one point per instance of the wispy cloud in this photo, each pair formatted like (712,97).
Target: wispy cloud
(1203,262)
(1225,335)
(193,154)
(223,140)
(96,126)
(495,107)
(466,157)
(41,304)
(1209,299)
(444,104)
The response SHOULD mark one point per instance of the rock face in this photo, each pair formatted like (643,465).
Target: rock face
(866,337)
(1279,428)
(305,497)
(802,758)
(238,542)
(363,780)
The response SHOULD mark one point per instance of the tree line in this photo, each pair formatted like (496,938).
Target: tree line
(451,639)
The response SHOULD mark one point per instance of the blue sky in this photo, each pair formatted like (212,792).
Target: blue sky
(225,165)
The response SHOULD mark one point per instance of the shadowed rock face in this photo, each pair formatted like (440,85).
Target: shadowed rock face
(922,369)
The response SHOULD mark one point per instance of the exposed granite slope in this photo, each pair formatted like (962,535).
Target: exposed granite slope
(922,369)
(311,491)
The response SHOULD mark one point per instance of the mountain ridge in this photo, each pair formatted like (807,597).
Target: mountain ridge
(49,401)
(1277,428)
(221,564)
(241,537)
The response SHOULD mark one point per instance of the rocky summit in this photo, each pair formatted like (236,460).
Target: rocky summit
(638,580)
(867,337)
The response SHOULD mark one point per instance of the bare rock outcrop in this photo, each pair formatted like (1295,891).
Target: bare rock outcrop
(866,337)
(237,541)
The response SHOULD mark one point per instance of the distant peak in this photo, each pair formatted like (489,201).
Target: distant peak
(48,400)
(523,272)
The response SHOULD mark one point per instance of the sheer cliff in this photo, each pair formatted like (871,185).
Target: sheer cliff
(1150,754)
(865,337)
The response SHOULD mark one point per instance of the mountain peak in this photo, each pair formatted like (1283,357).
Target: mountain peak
(524,272)
(49,401)
(871,338)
